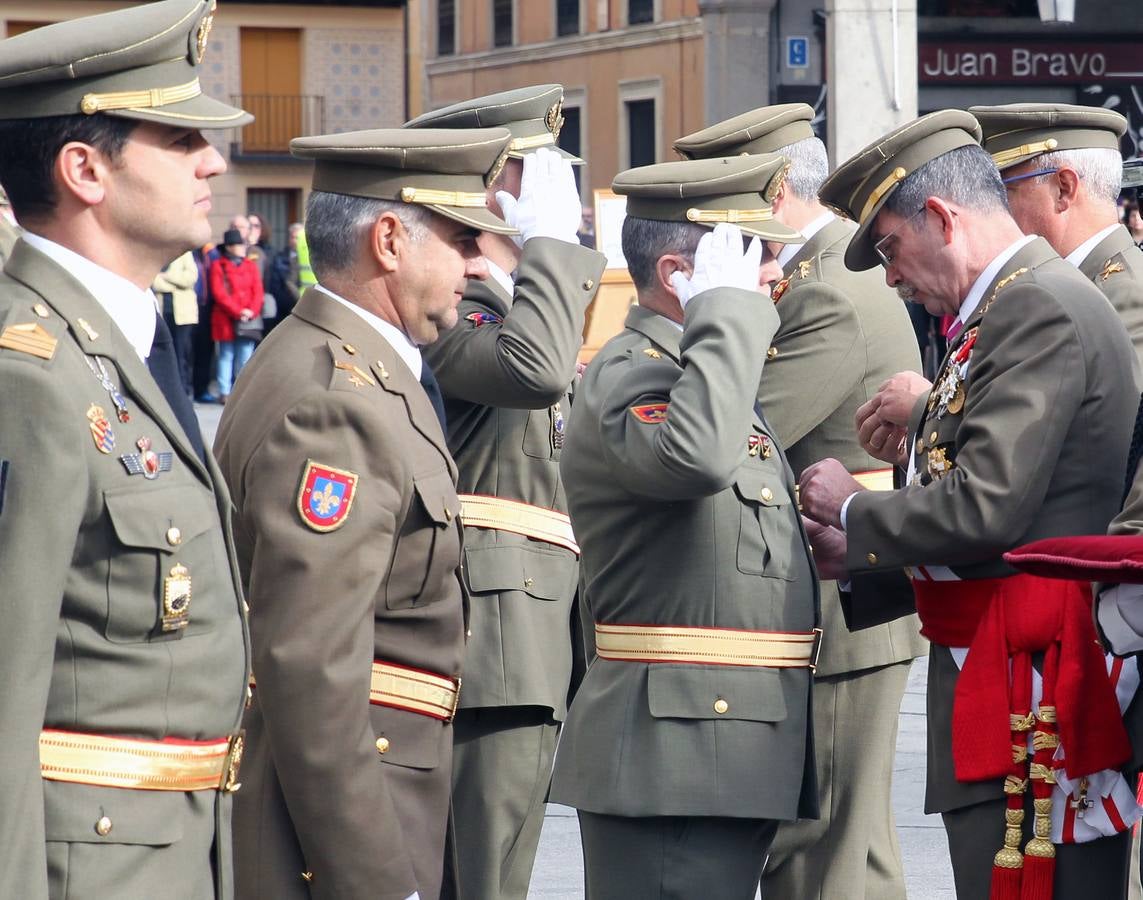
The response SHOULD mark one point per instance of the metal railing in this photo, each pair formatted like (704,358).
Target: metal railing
(277,118)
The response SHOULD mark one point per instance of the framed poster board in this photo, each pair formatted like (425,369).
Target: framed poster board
(616,293)
(610,211)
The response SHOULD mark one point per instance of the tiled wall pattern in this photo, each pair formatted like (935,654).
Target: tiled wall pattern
(361,74)
(220,76)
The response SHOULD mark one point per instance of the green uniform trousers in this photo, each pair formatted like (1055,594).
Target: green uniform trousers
(1083,871)
(502,765)
(672,857)
(851,852)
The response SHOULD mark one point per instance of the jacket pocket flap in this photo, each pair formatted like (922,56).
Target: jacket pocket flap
(78,812)
(545,574)
(762,486)
(408,738)
(715,692)
(438,496)
(143,518)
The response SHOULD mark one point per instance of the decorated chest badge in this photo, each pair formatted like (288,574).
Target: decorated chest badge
(325,496)
(147,462)
(558,425)
(482,318)
(650,413)
(948,394)
(101,431)
(759,445)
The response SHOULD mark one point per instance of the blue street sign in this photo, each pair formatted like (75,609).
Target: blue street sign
(798,52)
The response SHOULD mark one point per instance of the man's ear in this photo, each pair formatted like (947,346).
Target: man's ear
(779,200)
(946,215)
(81,172)
(387,238)
(1068,191)
(666,266)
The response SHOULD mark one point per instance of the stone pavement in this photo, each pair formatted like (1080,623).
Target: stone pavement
(559,863)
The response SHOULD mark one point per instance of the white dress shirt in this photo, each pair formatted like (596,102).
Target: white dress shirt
(1077,256)
(789,251)
(131,309)
(501,277)
(397,339)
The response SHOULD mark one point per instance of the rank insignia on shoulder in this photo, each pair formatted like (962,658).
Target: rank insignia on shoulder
(483,318)
(1109,269)
(650,413)
(101,431)
(358,377)
(779,289)
(325,495)
(804,268)
(652,353)
(147,462)
(31,338)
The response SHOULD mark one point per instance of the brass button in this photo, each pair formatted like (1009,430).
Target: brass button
(40,310)
(468,633)
(103,826)
(384,371)
(721,706)
(920,445)
(307,876)
(382,745)
(767,494)
(588,284)
(772,353)
(448,515)
(933,438)
(174,536)
(349,348)
(528,582)
(871,558)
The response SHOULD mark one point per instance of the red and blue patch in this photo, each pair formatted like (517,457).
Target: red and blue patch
(650,413)
(482,318)
(325,496)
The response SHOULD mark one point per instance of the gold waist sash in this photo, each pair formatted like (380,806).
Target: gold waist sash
(538,522)
(168,765)
(717,646)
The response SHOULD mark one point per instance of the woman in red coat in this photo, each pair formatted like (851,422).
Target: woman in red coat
(236,288)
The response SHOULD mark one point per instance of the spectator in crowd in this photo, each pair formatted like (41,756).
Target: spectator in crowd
(203,343)
(261,251)
(174,288)
(1134,221)
(284,280)
(235,320)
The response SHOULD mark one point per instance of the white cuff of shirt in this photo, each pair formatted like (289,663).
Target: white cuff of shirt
(1115,608)
(845,508)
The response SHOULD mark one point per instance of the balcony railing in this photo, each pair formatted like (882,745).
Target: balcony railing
(277,118)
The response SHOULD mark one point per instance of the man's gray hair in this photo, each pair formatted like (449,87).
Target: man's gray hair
(1099,168)
(966,176)
(809,167)
(646,240)
(337,223)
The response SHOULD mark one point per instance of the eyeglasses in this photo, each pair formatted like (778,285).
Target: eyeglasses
(1012,179)
(880,247)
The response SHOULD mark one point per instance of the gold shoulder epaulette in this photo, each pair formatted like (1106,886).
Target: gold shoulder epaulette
(31,338)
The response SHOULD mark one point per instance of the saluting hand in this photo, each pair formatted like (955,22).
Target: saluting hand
(720,261)
(549,204)
(823,488)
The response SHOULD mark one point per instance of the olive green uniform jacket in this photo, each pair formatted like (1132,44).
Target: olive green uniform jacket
(1038,448)
(1115,265)
(681,525)
(85,549)
(843,334)
(318,796)
(504,371)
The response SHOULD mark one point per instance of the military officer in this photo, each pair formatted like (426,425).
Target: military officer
(348,536)
(1024,436)
(1062,169)
(841,336)
(690,735)
(123,651)
(504,372)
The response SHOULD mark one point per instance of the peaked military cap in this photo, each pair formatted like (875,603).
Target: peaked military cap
(736,189)
(532,114)
(763,130)
(1017,132)
(859,187)
(137,63)
(444,169)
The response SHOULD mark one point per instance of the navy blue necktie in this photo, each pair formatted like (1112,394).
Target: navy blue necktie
(429,383)
(164,368)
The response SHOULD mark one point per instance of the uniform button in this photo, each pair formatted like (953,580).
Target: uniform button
(588,284)
(871,558)
(349,348)
(174,536)
(382,745)
(103,826)
(40,310)
(528,582)
(307,876)
(448,515)
(468,633)
(721,706)
(767,494)
(933,438)
(772,353)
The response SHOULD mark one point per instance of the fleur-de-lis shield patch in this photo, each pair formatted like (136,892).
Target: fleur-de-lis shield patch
(325,496)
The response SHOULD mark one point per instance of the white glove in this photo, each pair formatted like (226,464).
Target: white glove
(549,204)
(720,262)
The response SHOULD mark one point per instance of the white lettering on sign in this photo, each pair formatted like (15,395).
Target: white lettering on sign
(1026,64)
(965,64)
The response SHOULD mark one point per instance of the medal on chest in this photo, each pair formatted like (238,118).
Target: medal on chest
(947,395)
(557,427)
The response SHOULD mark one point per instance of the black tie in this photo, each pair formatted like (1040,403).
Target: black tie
(164,369)
(429,383)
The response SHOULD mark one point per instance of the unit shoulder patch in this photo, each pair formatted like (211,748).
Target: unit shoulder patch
(325,495)
(31,338)
(483,318)
(650,413)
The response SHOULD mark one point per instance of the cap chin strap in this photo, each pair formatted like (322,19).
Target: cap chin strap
(729,215)
(430,197)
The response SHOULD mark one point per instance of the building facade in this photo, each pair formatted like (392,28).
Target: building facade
(301,68)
